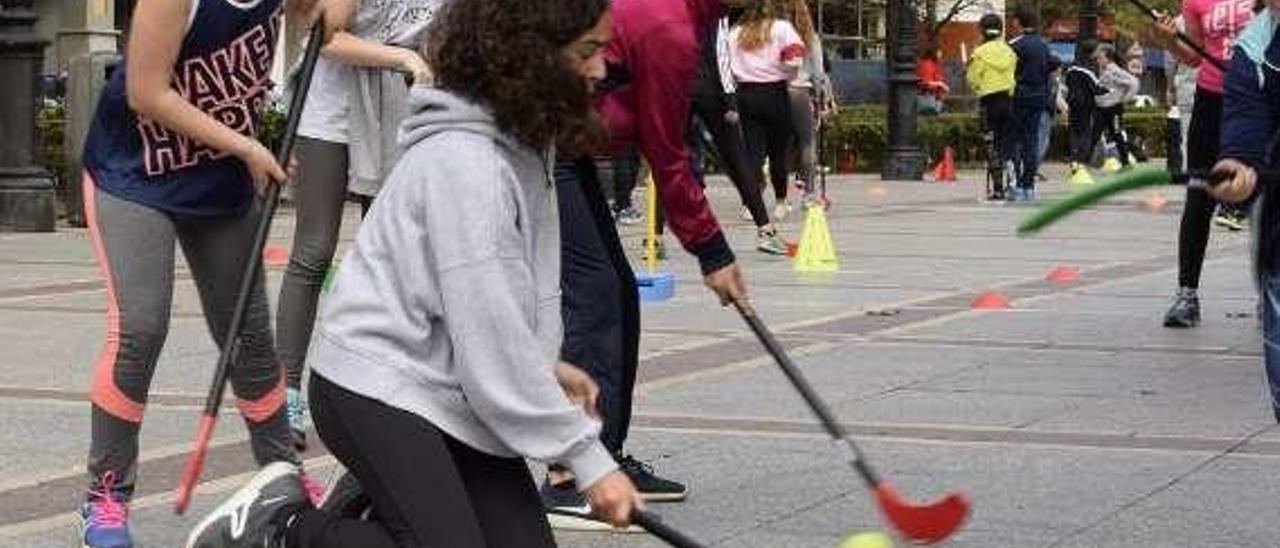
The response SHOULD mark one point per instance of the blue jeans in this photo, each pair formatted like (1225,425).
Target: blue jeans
(1271,336)
(1046,129)
(1027,117)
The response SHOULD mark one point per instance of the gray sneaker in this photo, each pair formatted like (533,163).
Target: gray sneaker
(1185,311)
(767,241)
(257,515)
(628,216)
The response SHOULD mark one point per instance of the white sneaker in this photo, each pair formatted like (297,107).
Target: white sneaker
(255,515)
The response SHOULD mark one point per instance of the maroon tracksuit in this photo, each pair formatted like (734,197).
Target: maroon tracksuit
(658,43)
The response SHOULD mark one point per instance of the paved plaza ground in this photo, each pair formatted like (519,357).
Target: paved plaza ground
(1072,420)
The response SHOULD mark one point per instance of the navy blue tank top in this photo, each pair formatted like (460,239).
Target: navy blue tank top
(224,70)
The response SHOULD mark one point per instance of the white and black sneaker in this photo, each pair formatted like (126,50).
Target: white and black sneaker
(567,510)
(255,516)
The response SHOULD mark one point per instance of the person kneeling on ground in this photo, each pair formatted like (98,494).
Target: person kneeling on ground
(434,361)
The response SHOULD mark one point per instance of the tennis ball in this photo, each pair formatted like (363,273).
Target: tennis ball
(870,539)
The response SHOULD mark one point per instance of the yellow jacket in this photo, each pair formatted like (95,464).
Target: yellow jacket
(993,68)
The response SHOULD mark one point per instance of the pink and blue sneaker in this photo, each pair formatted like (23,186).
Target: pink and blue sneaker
(104,516)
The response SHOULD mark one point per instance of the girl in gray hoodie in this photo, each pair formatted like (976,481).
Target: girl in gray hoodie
(435,367)
(1121,87)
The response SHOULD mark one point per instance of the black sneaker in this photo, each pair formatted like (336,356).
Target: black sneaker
(567,510)
(652,487)
(1184,313)
(256,516)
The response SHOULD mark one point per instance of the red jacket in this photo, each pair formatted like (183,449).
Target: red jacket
(932,80)
(658,43)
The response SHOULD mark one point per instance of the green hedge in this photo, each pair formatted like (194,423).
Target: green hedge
(51,123)
(863,131)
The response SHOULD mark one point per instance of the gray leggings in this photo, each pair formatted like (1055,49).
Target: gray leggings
(319,198)
(135,249)
(806,131)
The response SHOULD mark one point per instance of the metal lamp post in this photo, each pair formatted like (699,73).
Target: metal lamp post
(905,160)
(1088,25)
(26,189)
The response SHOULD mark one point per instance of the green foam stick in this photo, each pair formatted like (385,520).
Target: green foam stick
(1115,184)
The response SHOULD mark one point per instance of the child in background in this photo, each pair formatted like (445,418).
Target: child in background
(1083,89)
(992,76)
(1121,86)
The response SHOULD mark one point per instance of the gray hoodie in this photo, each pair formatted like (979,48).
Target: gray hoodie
(1121,86)
(448,304)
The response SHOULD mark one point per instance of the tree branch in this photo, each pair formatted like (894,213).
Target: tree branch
(955,10)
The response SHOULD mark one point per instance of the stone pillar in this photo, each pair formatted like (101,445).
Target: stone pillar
(905,161)
(26,189)
(84,27)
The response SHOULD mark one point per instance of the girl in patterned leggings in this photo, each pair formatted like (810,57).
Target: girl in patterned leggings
(172,157)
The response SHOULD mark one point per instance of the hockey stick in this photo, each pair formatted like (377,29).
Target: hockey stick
(922,523)
(231,348)
(1118,183)
(668,534)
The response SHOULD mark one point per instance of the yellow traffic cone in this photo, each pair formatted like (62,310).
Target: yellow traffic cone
(1112,165)
(1080,176)
(817,253)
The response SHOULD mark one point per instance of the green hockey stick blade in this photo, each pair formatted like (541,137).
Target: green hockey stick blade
(1115,184)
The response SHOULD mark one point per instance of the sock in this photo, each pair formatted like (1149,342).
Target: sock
(1188,292)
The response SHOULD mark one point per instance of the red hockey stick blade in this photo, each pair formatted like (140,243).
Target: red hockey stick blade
(926,524)
(195,464)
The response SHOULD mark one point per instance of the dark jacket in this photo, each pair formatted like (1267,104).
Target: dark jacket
(1083,86)
(1034,66)
(1251,126)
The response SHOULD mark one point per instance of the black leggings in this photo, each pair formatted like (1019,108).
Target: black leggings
(733,154)
(427,489)
(766,121)
(626,174)
(1202,154)
(1082,119)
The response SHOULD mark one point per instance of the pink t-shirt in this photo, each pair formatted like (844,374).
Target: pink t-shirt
(775,61)
(1220,21)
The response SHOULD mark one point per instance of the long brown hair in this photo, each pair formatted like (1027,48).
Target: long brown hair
(757,25)
(798,14)
(506,55)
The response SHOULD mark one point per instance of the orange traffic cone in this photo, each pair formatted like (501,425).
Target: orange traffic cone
(274,255)
(990,301)
(1063,275)
(946,169)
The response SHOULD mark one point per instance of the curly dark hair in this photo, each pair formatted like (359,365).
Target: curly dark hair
(506,54)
